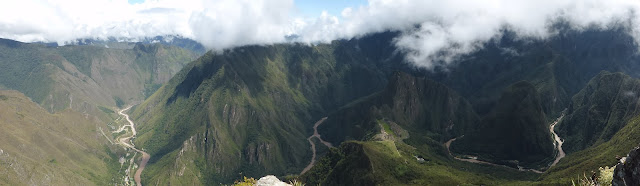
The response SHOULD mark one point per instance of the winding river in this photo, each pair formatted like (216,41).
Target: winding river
(313,145)
(126,142)
(557,145)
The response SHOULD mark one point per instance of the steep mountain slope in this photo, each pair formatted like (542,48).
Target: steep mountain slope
(74,76)
(558,66)
(600,110)
(515,129)
(576,164)
(250,109)
(421,106)
(39,148)
(79,86)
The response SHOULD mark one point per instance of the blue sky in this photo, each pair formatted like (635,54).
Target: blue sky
(135,1)
(313,8)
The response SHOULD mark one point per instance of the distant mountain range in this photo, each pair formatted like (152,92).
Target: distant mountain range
(248,111)
(255,105)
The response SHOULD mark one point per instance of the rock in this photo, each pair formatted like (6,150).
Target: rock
(627,171)
(270,180)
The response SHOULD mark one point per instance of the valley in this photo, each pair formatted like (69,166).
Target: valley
(382,93)
(557,145)
(127,143)
(558,141)
(313,145)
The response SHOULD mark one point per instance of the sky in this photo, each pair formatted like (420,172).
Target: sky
(313,8)
(427,27)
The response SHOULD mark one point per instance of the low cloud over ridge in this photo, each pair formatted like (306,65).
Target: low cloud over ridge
(427,27)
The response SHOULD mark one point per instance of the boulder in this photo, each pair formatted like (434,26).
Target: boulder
(627,171)
(270,180)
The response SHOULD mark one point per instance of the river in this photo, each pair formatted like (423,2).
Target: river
(126,142)
(557,145)
(313,145)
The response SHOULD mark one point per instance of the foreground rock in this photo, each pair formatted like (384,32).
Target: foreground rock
(270,181)
(627,172)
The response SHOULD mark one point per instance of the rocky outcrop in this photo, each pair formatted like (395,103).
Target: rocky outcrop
(270,180)
(627,172)
(515,129)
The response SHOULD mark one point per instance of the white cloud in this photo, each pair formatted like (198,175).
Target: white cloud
(446,28)
(453,27)
(217,24)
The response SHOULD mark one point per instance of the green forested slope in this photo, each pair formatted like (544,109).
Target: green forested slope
(40,148)
(600,110)
(515,129)
(72,76)
(254,106)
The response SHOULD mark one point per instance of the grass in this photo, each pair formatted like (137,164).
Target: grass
(50,144)
(386,128)
(274,90)
(106,110)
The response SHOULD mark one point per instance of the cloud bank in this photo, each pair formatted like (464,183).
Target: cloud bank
(427,27)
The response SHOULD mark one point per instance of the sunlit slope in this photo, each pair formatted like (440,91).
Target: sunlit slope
(39,148)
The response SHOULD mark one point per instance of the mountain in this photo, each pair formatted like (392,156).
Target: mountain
(63,132)
(249,110)
(420,105)
(74,76)
(127,43)
(600,110)
(515,129)
(40,148)
(558,66)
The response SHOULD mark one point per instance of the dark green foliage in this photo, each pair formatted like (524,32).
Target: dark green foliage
(3,97)
(149,89)
(515,129)
(419,105)
(119,102)
(246,99)
(51,75)
(558,66)
(252,97)
(106,110)
(22,70)
(600,110)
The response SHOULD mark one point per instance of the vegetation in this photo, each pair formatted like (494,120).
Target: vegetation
(603,177)
(249,96)
(245,182)
(119,102)
(52,76)
(106,110)
(248,111)
(50,149)
(600,110)
(255,106)
(518,124)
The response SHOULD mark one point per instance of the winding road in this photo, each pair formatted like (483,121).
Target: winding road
(313,145)
(126,142)
(557,145)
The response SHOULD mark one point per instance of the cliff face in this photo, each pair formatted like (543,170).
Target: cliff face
(420,105)
(515,129)
(627,171)
(250,109)
(600,110)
